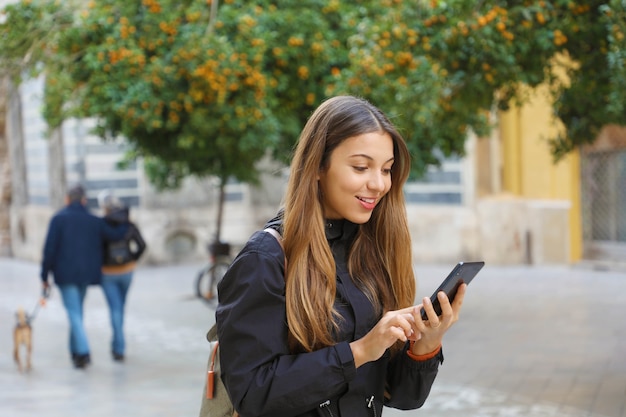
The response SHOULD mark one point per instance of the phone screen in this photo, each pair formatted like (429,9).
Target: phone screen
(463,272)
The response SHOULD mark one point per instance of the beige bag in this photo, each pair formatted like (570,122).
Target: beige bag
(215,402)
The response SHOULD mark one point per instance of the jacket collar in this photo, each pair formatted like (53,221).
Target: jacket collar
(339,229)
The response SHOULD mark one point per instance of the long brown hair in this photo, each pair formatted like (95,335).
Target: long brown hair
(380,259)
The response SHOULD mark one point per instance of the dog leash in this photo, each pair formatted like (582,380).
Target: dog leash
(45,293)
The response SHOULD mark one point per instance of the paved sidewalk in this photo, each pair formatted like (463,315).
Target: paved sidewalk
(532,341)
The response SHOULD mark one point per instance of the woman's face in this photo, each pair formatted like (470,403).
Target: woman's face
(358,176)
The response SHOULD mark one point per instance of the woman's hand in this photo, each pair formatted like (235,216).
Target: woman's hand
(430,332)
(393,326)
(407,324)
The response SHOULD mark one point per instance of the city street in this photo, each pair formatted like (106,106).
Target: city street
(531,341)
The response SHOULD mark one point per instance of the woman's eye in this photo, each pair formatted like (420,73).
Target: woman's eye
(360,169)
(387,171)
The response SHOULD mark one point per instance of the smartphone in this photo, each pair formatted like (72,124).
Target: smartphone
(463,272)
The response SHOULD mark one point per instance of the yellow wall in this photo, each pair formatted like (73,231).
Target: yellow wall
(528,169)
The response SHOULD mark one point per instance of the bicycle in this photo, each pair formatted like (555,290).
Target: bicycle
(212,273)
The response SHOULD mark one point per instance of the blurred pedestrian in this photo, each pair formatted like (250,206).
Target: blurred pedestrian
(73,254)
(120,260)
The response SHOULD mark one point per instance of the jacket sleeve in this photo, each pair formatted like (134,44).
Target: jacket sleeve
(135,236)
(50,248)
(260,374)
(113,233)
(409,381)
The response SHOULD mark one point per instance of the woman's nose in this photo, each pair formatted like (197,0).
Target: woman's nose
(376,182)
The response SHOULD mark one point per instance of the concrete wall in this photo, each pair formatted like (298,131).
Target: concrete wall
(445,234)
(500,230)
(523,231)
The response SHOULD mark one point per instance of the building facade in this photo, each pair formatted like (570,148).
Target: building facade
(505,202)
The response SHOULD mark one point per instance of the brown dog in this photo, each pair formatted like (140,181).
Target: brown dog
(22,337)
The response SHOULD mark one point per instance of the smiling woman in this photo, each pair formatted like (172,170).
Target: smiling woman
(358,177)
(296,322)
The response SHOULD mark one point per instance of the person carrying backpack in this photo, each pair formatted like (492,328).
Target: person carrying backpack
(120,260)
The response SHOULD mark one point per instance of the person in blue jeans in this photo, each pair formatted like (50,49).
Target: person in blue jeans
(120,259)
(72,252)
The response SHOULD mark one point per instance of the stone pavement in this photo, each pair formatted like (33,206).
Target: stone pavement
(531,341)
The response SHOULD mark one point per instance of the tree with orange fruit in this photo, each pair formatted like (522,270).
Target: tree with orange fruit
(195,90)
(201,88)
(442,68)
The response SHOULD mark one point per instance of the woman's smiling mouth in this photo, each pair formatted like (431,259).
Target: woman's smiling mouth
(367,203)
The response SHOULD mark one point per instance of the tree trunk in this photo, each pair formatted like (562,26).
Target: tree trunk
(5,174)
(17,151)
(220,210)
(56,169)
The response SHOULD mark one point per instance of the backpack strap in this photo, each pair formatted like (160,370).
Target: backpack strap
(279,238)
(277,235)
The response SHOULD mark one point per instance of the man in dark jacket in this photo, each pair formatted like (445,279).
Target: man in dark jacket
(73,253)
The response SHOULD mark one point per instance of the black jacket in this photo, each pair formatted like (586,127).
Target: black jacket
(132,240)
(263,378)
